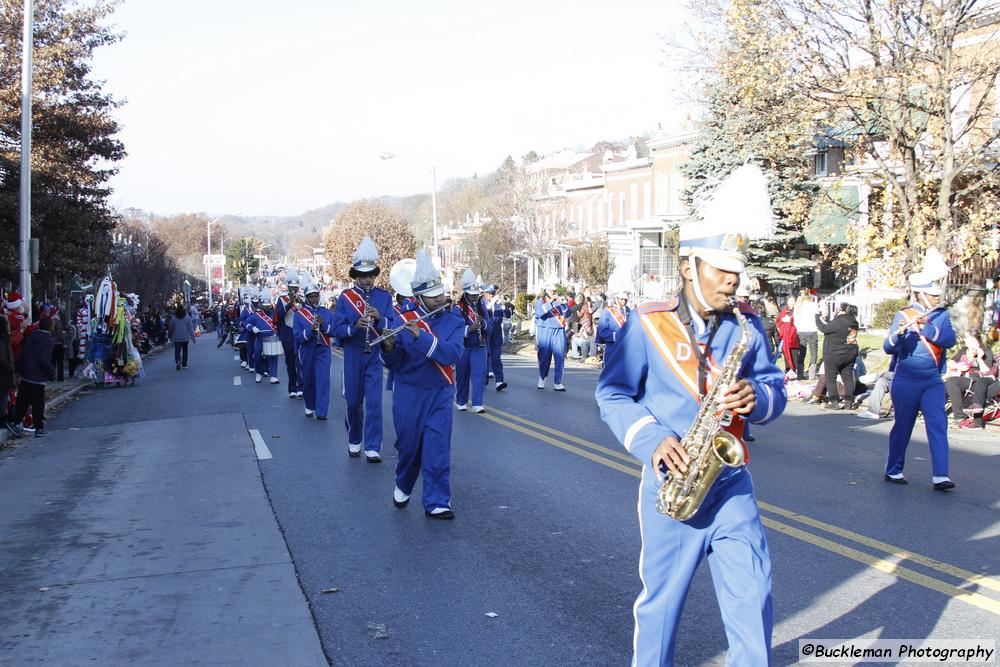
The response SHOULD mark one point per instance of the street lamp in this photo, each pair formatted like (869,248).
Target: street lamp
(25,190)
(434,207)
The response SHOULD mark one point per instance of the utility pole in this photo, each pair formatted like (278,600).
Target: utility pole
(27,49)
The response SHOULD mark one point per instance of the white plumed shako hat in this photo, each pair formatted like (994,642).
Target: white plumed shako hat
(292,277)
(930,280)
(738,210)
(469,283)
(365,258)
(426,278)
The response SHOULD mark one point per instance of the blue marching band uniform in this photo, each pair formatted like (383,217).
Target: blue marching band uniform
(423,394)
(471,368)
(402,305)
(284,314)
(362,369)
(610,325)
(495,314)
(650,389)
(263,329)
(314,355)
(550,332)
(917,340)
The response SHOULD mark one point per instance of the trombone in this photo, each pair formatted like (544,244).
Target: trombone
(392,332)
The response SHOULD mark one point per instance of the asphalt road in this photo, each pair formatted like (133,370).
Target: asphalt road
(540,565)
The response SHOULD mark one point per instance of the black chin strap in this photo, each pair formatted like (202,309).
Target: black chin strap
(684,311)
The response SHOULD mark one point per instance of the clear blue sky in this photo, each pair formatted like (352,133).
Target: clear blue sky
(261,107)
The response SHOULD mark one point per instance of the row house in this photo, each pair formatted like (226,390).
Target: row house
(632,201)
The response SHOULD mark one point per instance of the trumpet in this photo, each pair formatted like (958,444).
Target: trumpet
(317,322)
(392,332)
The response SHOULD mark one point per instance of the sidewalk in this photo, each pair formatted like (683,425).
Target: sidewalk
(150,542)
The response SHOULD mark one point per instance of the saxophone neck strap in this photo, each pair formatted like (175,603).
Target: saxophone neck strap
(684,312)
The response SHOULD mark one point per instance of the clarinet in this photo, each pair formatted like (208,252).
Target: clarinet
(482,322)
(368,329)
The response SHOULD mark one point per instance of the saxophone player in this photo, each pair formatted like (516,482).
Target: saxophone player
(360,312)
(472,366)
(650,390)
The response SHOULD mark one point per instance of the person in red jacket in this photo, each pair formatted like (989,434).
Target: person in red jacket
(788,334)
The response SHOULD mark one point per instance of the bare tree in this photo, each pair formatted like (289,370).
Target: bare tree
(140,263)
(911,86)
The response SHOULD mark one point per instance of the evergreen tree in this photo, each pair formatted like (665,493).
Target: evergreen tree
(753,114)
(73,139)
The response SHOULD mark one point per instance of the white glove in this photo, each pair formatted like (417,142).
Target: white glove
(256,330)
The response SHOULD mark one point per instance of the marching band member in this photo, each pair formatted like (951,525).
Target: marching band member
(267,345)
(472,366)
(313,336)
(917,340)
(247,320)
(661,365)
(239,323)
(551,316)
(612,322)
(496,312)
(284,313)
(361,312)
(422,356)
(399,278)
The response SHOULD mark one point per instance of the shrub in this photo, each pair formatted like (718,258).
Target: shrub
(886,310)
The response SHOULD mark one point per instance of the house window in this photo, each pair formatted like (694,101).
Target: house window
(819,164)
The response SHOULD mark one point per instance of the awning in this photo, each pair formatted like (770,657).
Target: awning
(832,216)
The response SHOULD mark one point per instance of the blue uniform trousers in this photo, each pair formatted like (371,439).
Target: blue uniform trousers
(727,531)
(315,363)
(908,396)
(551,343)
(423,417)
(471,368)
(252,349)
(363,393)
(292,364)
(264,364)
(495,350)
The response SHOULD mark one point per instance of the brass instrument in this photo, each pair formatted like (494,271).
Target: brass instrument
(392,332)
(317,322)
(709,447)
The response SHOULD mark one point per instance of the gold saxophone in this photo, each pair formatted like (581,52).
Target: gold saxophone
(709,447)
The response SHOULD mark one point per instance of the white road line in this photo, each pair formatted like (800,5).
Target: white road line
(236,358)
(259,445)
(237,381)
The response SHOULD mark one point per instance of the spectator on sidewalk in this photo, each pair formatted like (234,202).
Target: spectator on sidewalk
(36,369)
(7,379)
(58,341)
(971,372)
(181,329)
(508,319)
(840,350)
(879,389)
(804,317)
(789,337)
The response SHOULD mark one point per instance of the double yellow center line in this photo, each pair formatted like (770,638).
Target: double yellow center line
(889,558)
